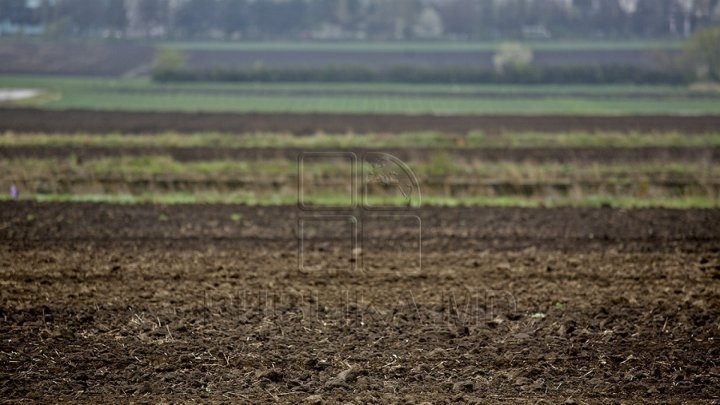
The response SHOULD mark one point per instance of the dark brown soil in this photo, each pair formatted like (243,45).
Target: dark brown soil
(157,303)
(606,155)
(38,120)
(443,228)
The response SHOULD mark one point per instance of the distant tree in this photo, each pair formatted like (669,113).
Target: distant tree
(321,11)
(196,17)
(153,12)
(429,24)
(343,14)
(628,6)
(380,19)
(461,17)
(651,18)
(275,19)
(687,8)
(584,6)
(703,53)
(85,16)
(232,16)
(512,55)
(116,15)
(15,11)
(168,59)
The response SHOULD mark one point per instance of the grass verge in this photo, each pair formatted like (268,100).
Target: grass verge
(252,199)
(475,139)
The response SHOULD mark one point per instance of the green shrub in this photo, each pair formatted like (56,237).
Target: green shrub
(703,54)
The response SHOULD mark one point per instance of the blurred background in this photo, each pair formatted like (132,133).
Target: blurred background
(491,102)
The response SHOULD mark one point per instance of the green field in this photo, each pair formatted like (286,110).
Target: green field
(141,94)
(74,83)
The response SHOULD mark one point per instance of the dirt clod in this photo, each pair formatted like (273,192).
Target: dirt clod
(314,400)
(345,377)
(464,386)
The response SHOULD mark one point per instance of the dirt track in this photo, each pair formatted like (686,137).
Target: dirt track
(68,121)
(164,302)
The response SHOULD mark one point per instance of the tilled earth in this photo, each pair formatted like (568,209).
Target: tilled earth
(533,154)
(223,303)
(70,121)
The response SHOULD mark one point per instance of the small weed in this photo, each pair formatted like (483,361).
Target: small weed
(441,164)
(30,217)
(163,218)
(236,217)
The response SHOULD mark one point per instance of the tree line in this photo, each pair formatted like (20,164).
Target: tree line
(363,19)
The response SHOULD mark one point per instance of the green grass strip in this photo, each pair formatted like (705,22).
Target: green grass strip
(277,199)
